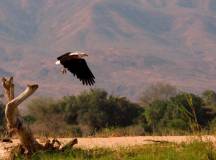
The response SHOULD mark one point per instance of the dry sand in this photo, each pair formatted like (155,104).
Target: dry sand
(115,142)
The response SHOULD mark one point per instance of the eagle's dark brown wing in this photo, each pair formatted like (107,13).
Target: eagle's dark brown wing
(80,69)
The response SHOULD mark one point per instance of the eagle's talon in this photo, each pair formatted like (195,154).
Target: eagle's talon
(64,71)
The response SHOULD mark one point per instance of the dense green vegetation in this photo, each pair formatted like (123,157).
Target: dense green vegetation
(85,114)
(162,109)
(183,112)
(194,151)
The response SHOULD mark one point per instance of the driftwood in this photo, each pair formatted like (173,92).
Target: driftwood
(15,125)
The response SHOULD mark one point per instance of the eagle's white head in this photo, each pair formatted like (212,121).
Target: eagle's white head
(80,54)
(57,62)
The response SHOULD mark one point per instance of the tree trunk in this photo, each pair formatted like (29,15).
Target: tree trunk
(14,120)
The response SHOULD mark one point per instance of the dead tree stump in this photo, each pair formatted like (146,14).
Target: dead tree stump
(15,125)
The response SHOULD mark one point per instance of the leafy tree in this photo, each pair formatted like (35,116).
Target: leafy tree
(91,111)
(193,109)
(185,111)
(99,110)
(209,98)
(154,113)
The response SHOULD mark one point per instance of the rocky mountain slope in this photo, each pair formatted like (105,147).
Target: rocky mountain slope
(131,44)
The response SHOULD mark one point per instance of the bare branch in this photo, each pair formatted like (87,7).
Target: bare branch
(69,145)
(12,105)
(8,88)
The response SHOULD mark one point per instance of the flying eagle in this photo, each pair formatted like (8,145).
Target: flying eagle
(76,64)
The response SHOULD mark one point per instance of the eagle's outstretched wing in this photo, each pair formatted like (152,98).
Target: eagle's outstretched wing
(80,69)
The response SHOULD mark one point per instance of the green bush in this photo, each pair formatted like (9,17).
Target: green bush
(183,112)
(90,111)
(95,110)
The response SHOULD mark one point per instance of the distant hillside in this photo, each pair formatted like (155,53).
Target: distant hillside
(132,44)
